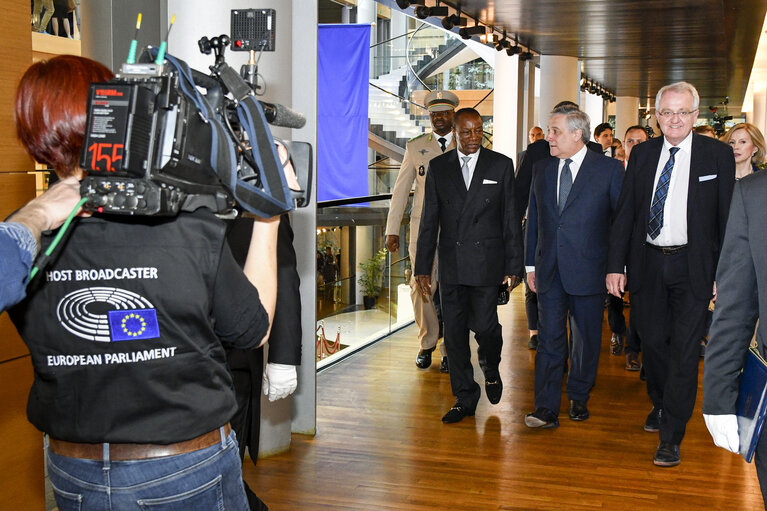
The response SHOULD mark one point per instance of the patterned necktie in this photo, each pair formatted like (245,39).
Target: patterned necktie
(565,184)
(465,170)
(659,199)
(442,143)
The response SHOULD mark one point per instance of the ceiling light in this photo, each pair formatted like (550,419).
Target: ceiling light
(513,50)
(453,20)
(422,12)
(404,4)
(467,32)
(528,55)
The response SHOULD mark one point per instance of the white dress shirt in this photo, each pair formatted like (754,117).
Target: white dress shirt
(448,139)
(472,161)
(674,230)
(575,166)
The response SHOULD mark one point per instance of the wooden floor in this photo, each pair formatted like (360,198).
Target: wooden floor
(381,445)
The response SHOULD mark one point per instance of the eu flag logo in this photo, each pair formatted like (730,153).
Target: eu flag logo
(129,325)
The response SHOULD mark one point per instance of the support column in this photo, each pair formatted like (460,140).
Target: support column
(505,105)
(295,55)
(560,77)
(626,114)
(760,107)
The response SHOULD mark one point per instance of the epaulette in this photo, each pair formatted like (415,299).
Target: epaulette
(418,136)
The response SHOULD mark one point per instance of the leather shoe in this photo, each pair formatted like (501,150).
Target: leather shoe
(578,410)
(532,344)
(456,414)
(493,390)
(654,420)
(541,418)
(667,455)
(443,366)
(423,360)
(616,344)
(632,361)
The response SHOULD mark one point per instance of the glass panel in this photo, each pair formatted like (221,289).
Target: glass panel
(362,290)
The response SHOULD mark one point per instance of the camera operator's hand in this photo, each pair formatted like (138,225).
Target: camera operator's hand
(51,209)
(280,380)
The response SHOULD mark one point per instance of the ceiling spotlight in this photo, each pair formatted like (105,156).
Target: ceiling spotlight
(513,50)
(467,32)
(453,20)
(404,4)
(593,88)
(526,56)
(422,12)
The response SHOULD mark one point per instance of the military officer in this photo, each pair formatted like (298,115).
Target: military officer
(418,152)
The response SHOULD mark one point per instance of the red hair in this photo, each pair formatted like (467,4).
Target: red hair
(50,112)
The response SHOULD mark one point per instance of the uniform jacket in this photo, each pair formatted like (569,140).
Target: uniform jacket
(480,239)
(712,177)
(418,153)
(574,243)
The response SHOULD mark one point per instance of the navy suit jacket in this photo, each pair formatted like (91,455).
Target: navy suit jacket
(712,177)
(576,242)
(479,232)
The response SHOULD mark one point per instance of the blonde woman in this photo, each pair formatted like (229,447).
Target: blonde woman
(748,145)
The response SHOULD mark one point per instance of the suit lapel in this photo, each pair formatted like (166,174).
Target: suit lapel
(454,174)
(653,156)
(697,162)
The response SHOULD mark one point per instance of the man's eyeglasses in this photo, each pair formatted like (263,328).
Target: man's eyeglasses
(667,114)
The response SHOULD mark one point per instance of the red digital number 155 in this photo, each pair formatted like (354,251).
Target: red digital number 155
(107,153)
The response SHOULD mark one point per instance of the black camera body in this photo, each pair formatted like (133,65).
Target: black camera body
(147,150)
(156,145)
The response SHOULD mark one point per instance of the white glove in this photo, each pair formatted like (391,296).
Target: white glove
(280,380)
(724,431)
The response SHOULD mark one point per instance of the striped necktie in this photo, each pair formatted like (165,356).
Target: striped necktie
(659,199)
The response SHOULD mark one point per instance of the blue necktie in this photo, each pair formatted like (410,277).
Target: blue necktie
(659,199)
(565,184)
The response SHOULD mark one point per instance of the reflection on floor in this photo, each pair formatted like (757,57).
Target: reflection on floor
(380,444)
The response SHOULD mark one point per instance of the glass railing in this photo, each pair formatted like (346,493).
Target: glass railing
(350,249)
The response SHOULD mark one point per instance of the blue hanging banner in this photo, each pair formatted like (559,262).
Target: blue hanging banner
(343,65)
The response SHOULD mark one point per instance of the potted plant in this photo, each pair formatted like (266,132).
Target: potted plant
(370,279)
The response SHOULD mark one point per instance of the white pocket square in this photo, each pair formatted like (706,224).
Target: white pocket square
(489,182)
(706,178)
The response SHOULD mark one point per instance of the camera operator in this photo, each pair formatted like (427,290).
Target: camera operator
(20,236)
(126,327)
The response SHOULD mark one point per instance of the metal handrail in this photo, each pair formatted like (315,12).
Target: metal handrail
(407,55)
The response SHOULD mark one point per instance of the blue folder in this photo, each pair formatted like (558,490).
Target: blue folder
(752,403)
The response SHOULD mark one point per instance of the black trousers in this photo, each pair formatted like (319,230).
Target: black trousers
(470,308)
(671,322)
(633,342)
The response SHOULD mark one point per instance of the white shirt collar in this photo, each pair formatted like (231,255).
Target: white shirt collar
(685,145)
(577,158)
(448,138)
(473,155)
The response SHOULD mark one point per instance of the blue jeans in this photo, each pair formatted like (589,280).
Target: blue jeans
(207,479)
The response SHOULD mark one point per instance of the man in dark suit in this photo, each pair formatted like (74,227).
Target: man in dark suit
(667,234)
(469,206)
(572,200)
(536,151)
(740,278)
